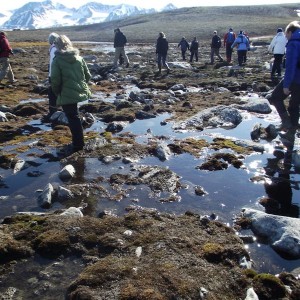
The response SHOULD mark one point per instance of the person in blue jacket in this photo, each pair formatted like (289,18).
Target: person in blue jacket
(242,44)
(290,84)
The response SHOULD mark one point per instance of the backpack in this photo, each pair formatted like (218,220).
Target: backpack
(230,37)
(123,39)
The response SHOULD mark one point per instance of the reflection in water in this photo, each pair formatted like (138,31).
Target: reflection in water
(279,190)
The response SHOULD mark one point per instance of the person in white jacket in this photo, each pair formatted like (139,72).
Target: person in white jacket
(52,98)
(277,47)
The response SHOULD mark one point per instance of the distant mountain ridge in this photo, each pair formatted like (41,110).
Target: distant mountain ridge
(46,14)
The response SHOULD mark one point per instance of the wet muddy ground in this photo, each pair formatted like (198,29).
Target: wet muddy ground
(124,185)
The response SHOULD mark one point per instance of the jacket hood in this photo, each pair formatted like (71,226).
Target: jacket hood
(68,55)
(296,35)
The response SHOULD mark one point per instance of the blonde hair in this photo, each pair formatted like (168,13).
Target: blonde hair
(63,43)
(294,25)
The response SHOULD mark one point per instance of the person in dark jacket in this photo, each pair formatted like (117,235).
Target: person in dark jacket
(120,41)
(229,38)
(184,46)
(215,45)
(194,49)
(290,84)
(162,47)
(69,81)
(242,44)
(6,51)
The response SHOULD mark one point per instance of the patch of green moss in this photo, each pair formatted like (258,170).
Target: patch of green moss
(131,292)
(107,269)
(268,286)
(193,146)
(221,143)
(213,252)
(250,273)
(52,243)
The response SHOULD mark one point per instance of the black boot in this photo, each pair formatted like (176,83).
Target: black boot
(285,121)
(289,135)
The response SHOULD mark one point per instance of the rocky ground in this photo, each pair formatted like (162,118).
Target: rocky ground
(144,254)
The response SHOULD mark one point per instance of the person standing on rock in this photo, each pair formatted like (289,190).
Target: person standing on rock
(120,41)
(51,96)
(5,52)
(277,47)
(215,45)
(184,46)
(229,38)
(194,49)
(69,81)
(290,84)
(242,43)
(162,47)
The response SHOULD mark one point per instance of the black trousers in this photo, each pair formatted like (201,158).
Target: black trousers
(277,99)
(193,52)
(277,64)
(183,54)
(52,101)
(242,56)
(72,114)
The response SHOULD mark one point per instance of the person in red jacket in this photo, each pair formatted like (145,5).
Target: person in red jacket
(5,52)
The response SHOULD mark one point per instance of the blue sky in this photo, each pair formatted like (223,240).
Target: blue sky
(13,4)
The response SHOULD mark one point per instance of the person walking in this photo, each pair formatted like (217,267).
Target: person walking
(69,81)
(215,47)
(51,96)
(290,84)
(184,46)
(162,47)
(194,49)
(242,43)
(6,51)
(120,41)
(277,47)
(229,38)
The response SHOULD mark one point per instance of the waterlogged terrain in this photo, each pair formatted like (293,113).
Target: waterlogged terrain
(148,178)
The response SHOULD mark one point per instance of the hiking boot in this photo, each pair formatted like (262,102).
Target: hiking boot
(285,121)
(68,150)
(289,135)
(168,71)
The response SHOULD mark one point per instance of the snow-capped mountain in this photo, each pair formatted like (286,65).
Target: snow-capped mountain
(46,14)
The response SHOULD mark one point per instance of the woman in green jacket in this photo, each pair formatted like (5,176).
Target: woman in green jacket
(69,81)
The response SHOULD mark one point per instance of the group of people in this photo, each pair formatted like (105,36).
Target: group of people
(69,74)
(184,46)
(231,40)
(290,84)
